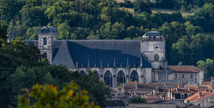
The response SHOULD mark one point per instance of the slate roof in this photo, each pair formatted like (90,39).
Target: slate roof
(153,33)
(98,53)
(47,29)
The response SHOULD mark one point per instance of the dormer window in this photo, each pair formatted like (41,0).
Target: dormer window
(44,41)
(156,57)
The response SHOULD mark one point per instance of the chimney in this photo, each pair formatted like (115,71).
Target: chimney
(199,94)
(178,85)
(153,92)
(136,86)
(188,89)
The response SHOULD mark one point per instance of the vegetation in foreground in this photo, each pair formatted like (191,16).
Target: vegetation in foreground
(47,96)
(22,66)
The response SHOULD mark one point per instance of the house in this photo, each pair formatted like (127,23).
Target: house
(186,74)
(202,99)
(181,93)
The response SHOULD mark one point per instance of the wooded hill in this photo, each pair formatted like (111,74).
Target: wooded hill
(186,39)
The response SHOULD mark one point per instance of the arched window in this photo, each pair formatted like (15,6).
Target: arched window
(82,72)
(44,41)
(45,56)
(121,77)
(96,73)
(134,76)
(156,57)
(108,78)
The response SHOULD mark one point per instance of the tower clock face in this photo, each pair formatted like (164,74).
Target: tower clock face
(156,47)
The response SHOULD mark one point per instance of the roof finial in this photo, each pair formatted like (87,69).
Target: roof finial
(88,62)
(76,63)
(127,62)
(114,62)
(141,61)
(101,63)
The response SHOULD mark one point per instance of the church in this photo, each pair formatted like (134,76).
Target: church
(114,61)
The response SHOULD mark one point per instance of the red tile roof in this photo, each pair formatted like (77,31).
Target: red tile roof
(183,90)
(191,86)
(196,98)
(188,69)
(153,98)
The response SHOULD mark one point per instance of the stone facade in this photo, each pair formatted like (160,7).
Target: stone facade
(115,61)
(186,74)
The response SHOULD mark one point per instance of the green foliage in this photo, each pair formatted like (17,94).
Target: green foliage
(3,31)
(190,49)
(32,33)
(207,66)
(96,89)
(140,6)
(137,100)
(22,67)
(13,55)
(204,17)
(48,96)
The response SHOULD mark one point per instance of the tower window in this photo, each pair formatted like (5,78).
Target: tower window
(44,41)
(45,56)
(156,57)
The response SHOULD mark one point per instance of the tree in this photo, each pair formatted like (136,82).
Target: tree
(97,91)
(48,96)
(204,17)
(140,6)
(172,32)
(64,31)
(181,52)
(202,47)
(33,16)
(10,9)
(3,31)
(207,66)
(32,33)
(137,100)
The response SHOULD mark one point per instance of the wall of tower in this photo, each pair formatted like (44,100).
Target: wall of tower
(147,48)
(50,34)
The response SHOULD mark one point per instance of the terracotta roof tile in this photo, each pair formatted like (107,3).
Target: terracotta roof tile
(196,98)
(153,98)
(188,69)
(183,90)
(191,86)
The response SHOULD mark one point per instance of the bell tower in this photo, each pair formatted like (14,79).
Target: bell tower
(153,48)
(46,36)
